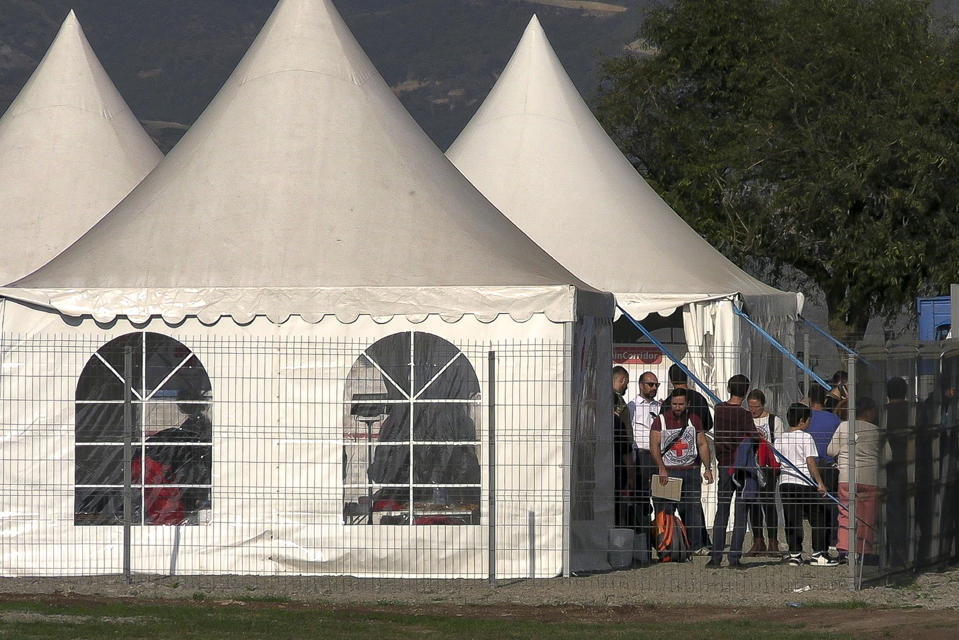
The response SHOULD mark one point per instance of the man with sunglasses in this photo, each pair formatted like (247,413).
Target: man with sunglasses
(644,408)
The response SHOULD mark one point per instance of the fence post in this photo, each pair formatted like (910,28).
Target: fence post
(851,542)
(127,458)
(531,531)
(570,341)
(492,468)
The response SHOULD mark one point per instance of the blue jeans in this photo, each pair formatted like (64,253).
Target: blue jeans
(725,489)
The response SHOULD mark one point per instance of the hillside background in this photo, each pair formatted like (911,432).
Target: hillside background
(169,58)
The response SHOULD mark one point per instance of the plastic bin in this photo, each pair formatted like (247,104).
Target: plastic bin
(620,554)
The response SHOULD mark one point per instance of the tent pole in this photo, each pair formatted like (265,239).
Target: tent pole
(492,468)
(851,472)
(825,385)
(659,345)
(839,344)
(568,450)
(127,459)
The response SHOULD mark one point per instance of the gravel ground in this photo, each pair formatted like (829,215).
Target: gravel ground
(763,584)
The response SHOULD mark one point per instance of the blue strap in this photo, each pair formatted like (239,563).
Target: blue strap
(796,361)
(669,354)
(827,335)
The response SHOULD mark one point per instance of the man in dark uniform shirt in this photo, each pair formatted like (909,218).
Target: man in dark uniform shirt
(696,404)
(622,449)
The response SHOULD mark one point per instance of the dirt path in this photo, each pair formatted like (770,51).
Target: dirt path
(862,622)
(770,586)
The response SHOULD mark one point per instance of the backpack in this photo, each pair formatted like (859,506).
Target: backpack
(766,457)
(670,539)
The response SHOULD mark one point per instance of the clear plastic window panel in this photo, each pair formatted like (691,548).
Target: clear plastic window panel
(411,452)
(171,434)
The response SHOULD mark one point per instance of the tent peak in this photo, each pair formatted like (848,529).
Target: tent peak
(307,36)
(307,148)
(68,115)
(538,153)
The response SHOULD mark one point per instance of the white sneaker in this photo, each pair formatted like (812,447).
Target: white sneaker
(820,559)
(793,559)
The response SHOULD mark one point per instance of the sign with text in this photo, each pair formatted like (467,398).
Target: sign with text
(637,355)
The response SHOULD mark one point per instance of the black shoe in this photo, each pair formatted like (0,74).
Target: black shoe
(714,563)
(737,565)
(822,560)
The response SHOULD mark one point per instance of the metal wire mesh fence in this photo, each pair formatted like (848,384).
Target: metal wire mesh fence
(225,455)
(903,457)
(413,456)
(784,500)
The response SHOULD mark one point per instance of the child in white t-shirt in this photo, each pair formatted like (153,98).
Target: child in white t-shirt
(800,499)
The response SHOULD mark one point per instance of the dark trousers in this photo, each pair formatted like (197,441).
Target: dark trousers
(897,514)
(765,508)
(644,469)
(725,490)
(689,507)
(949,492)
(925,500)
(802,501)
(623,497)
(829,473)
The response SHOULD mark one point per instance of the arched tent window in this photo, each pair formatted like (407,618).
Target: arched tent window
(172,434)
(417,382)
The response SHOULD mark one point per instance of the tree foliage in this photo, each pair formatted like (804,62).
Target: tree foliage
(821,134)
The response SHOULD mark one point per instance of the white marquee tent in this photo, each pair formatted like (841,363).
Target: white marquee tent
(536,151)
(338,348)
(70,149)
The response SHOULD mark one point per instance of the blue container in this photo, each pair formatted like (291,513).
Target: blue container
(934,317)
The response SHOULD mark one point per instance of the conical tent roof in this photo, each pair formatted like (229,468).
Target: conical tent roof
(70,149)
(304,171)
(536,151)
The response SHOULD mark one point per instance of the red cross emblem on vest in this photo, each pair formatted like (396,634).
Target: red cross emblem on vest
(679,448)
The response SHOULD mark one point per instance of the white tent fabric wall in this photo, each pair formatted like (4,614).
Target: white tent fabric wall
(305,170)
(536,151)
(70,149)
(710,357)
(278,403)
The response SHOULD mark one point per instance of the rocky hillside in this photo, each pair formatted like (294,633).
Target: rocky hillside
(169,58)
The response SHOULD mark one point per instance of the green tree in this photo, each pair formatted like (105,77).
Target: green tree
(821,134)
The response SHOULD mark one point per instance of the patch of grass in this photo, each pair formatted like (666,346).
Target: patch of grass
(266,597)
(187,620)
(912,585)
(199,596)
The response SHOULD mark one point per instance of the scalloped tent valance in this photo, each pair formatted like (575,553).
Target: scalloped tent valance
(562,303)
